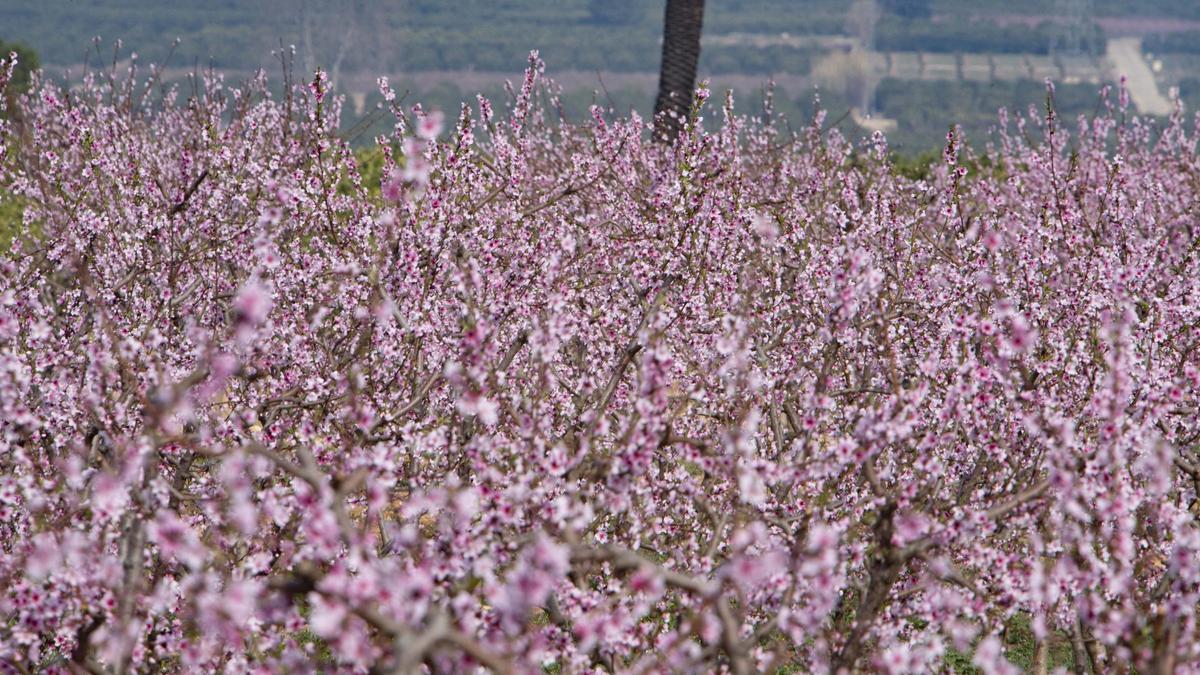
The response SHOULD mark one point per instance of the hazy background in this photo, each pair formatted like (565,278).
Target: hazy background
(908,67)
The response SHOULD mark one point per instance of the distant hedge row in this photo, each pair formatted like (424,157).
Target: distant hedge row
(896,34)
(721,60)
(1186,42)
(926,109)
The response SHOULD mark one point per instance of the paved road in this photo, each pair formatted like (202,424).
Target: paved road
(1125,53)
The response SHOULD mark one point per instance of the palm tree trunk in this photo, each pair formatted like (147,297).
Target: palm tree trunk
(677,79)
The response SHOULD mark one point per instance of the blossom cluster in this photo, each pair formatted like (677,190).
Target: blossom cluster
(557,397)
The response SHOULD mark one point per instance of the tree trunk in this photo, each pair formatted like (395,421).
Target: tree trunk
(1041,658)
(677,78)
(1078,650)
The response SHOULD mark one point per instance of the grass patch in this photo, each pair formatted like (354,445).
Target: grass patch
(12,212)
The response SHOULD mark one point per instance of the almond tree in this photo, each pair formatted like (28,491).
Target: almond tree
(560,398)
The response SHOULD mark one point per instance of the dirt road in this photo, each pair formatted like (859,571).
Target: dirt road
(1125,54)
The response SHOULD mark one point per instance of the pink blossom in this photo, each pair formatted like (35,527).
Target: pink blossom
(44,557)
(430,125)
(253,303)
(176,540)
(564,394)
(480,406)
(327,615)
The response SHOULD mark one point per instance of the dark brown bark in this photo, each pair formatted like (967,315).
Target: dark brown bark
(885,567)
(682,25)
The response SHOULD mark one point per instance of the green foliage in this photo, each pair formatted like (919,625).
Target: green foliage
(11,213)
(616,12)
(1020,647)
(915,166)
(1143,8)
(1186,42)
(901,35)
(370,170)
(1189,93)
(745,59)
(321,653)
(414,35)
(27,63)
(926,109)
(909,9)
(959,662)
(589,35)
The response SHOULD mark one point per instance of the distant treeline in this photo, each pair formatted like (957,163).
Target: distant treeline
(410,35)
(495,35)
(1184,42)
(925,110)
(901,35)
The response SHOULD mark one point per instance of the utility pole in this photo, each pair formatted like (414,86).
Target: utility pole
(682,25)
